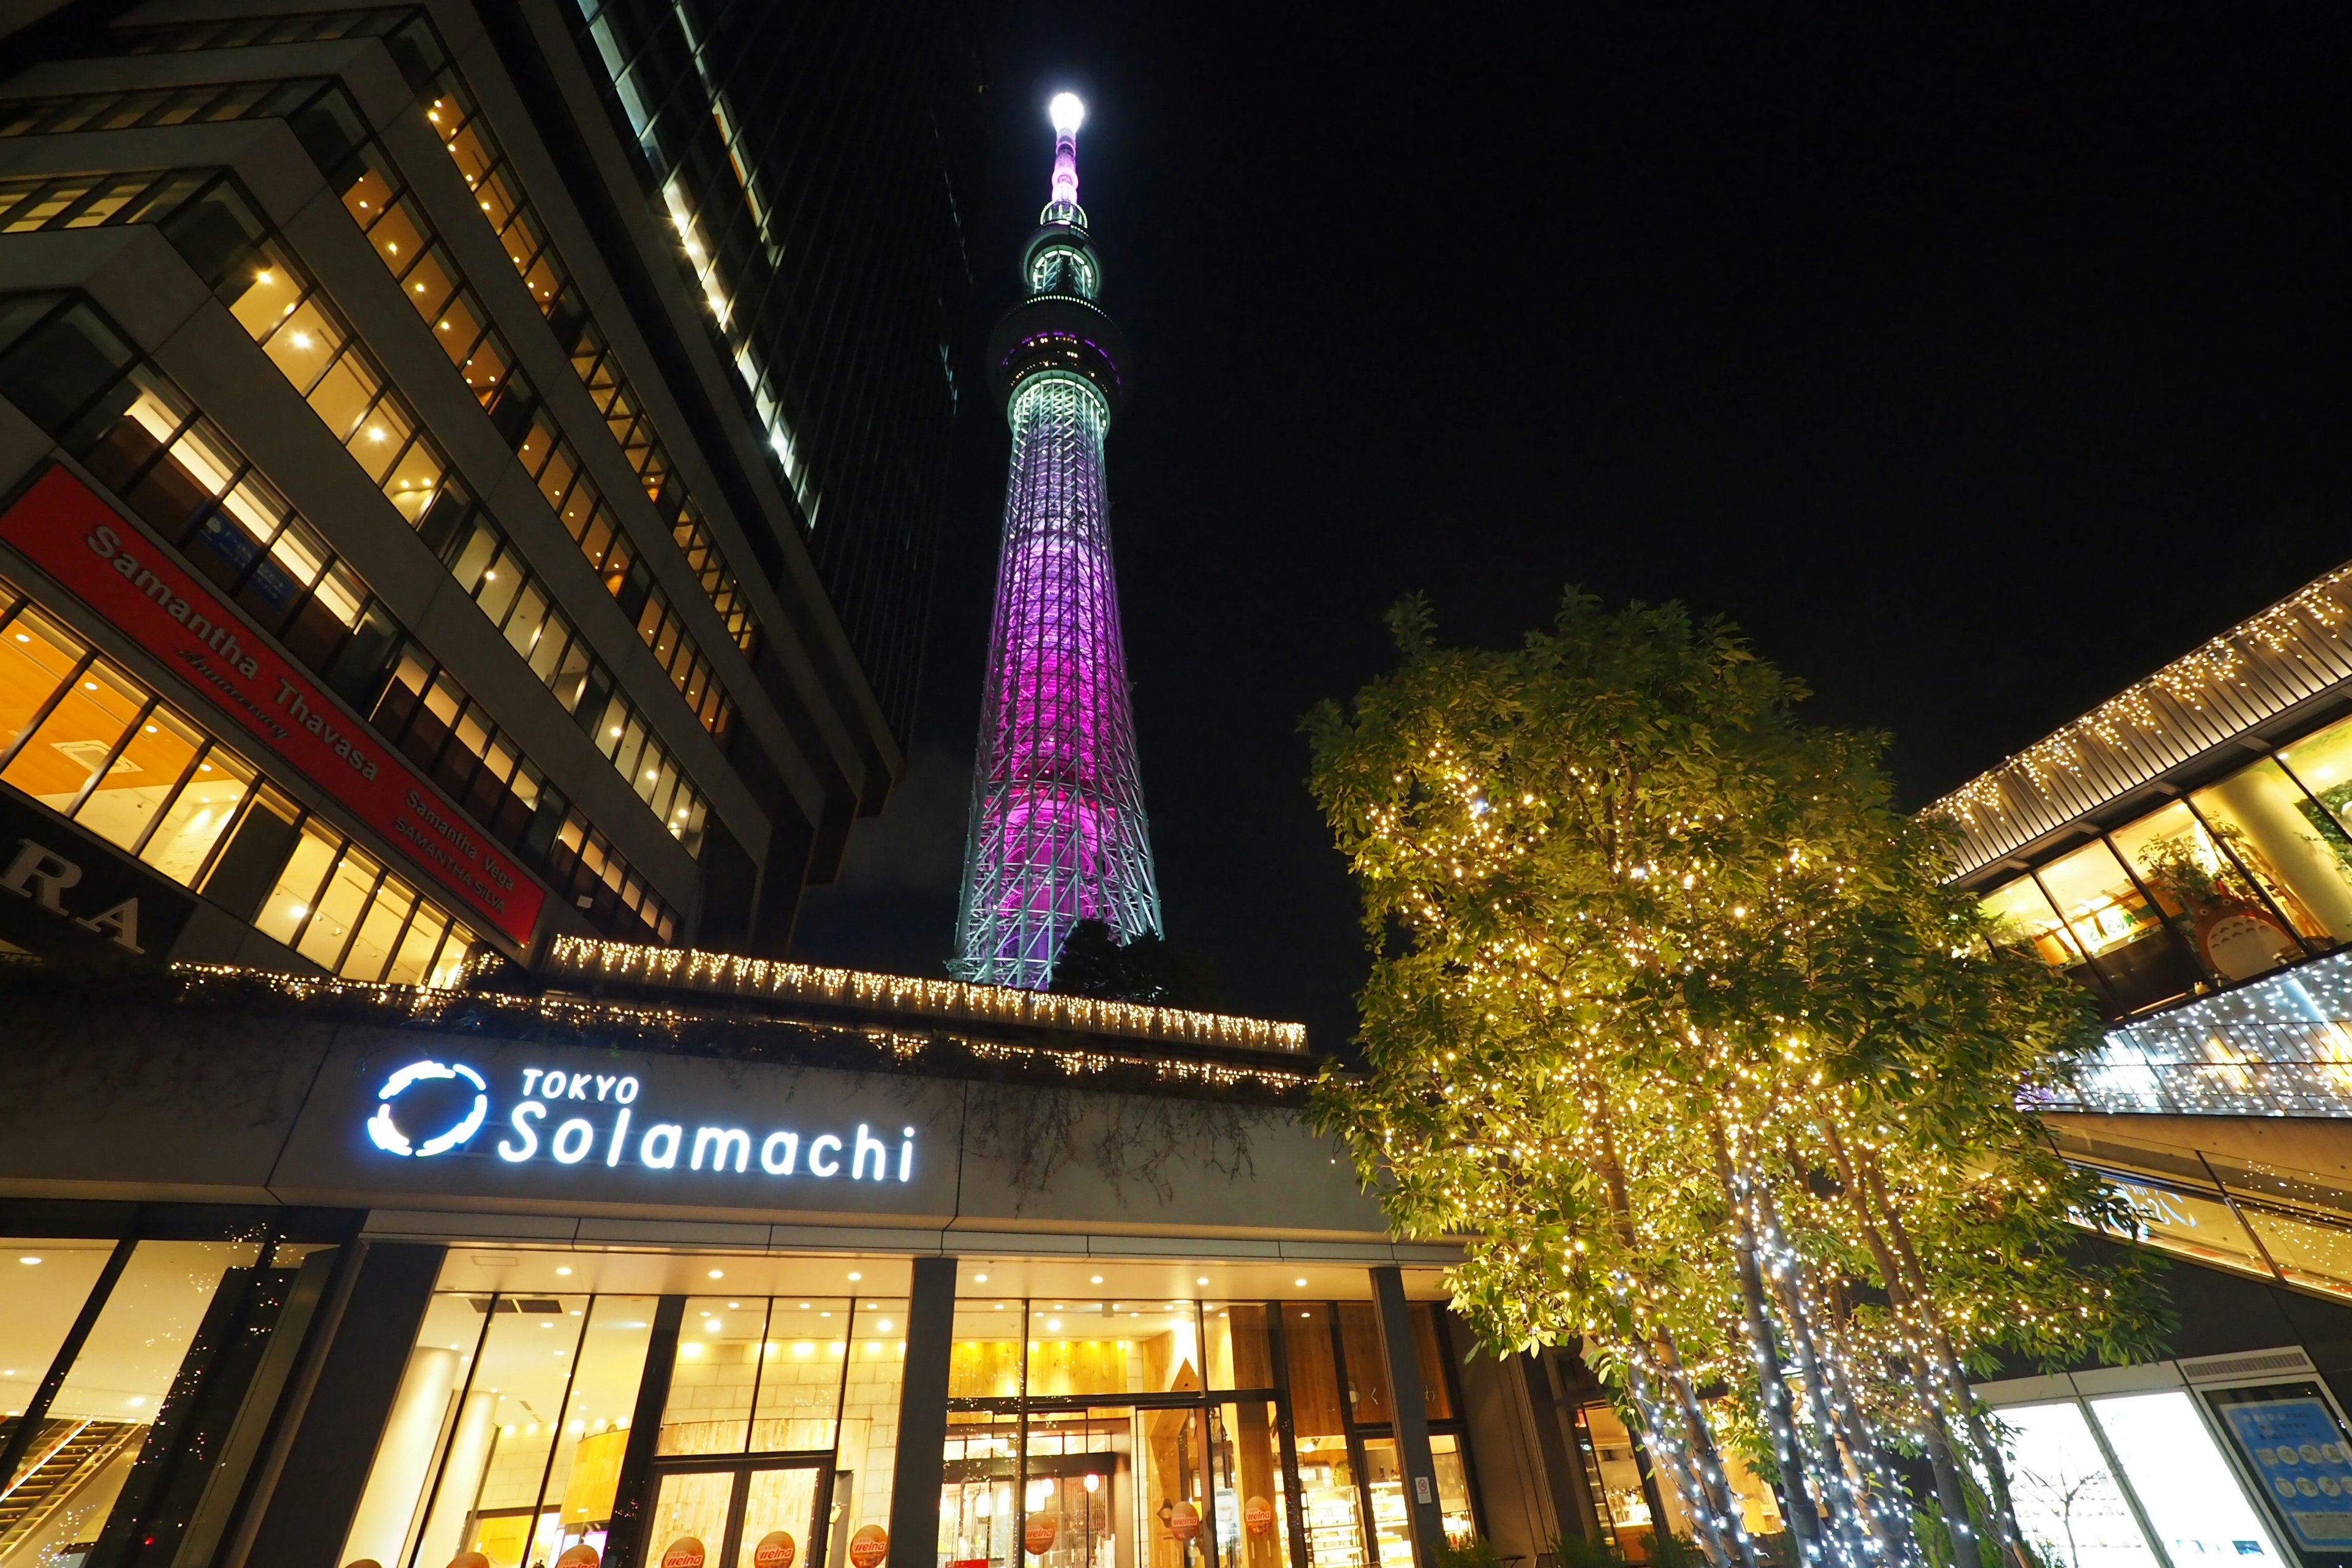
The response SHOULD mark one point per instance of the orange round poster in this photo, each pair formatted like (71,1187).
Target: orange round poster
(1040,1533)
(869,1546)
(580,1556)
(686,1551)
(467,1560)
(1257,1516)
(1183,1522)
(776,1550)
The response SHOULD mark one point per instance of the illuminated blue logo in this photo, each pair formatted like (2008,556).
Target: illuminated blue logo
(386,1134)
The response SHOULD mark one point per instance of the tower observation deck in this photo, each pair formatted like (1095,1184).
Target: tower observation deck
(1058,833)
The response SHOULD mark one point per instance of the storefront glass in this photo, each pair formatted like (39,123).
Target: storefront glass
(2287,844)
(2117,927)
(48,1281)
(507,1430)
(2067,1500)
(1245,1475)
(870,1416)
(119,1454)
(2184,1484)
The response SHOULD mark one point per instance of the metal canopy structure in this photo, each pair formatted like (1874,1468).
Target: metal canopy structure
(1057,834)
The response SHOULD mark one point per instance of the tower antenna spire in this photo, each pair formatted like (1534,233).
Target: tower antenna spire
(1057,832)
(1067,111)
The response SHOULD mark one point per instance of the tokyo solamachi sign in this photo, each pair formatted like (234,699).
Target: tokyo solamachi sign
(429,1108)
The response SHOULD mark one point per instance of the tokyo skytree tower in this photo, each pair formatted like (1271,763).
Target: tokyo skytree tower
(1058,834)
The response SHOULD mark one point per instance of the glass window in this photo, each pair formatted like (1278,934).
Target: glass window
(585,1472)
(800,1375)
(2298,853)
(1391,1521)
(289,903)
(1246,1481)
(869,1415)
(414,962)
(1237,1352)
(269,296)
(1070,1354)
(2172,1464)
(2192,1225)
(1314,1373)
(985,1363)
(1429,1357)
(2323,763)
(303,344)
(342,398)
(49,1281)
(337,910)
(72,746)
(130,799)
(434,1405)
(2309,1253)
(2200,891)
(2022,918)
(193,824)
(2117,927)
(690,1507)
(133,1352)
(1367,1372)
(378,931)
(2067,1500)
(711,1383)
(380,439)
(1327,1494)
(36,656)
(488,1499)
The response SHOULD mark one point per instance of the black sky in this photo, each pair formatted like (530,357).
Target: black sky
(1975,360)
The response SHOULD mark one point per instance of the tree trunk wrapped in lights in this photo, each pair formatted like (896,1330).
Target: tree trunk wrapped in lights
(1672,1012)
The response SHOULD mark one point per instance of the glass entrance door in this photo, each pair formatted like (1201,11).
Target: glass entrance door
(738,1516)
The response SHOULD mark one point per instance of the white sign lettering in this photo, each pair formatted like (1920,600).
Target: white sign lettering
(573,1136)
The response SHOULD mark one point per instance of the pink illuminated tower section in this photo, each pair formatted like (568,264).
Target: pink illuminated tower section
(1058,833)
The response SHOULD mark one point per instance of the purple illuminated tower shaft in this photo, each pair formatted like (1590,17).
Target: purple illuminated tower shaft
(1058,834)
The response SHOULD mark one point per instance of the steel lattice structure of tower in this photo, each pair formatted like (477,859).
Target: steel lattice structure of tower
(1058,834)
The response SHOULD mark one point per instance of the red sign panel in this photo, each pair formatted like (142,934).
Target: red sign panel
(64,528)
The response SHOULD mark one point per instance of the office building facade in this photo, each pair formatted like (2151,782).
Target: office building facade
(394,561)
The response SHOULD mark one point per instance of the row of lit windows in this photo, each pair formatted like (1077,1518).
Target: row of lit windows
(702,258)
(2221,885)
(432,282)
(468,140)
(88,741)
(524,238)
(140,435)
(291,320)
(466,137)
(304,336)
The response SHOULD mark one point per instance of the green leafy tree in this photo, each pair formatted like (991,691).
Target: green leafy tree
(1674,1016)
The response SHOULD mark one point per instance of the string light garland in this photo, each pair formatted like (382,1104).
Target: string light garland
(593,958)
(2299,648)
(420,1007)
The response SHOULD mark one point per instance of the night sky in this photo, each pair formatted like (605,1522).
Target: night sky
(1976,361)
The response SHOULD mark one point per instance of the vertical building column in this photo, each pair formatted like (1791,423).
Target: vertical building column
(1422,1509)
(309,1509)
(916,1467)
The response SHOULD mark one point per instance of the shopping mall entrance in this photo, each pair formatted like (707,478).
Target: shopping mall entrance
(1083,1485)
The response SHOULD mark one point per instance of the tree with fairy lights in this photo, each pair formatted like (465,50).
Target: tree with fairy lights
(1673,1014)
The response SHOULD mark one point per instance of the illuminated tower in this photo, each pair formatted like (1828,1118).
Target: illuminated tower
(1057,834)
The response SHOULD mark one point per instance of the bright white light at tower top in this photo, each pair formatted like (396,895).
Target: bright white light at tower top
(1067,111)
